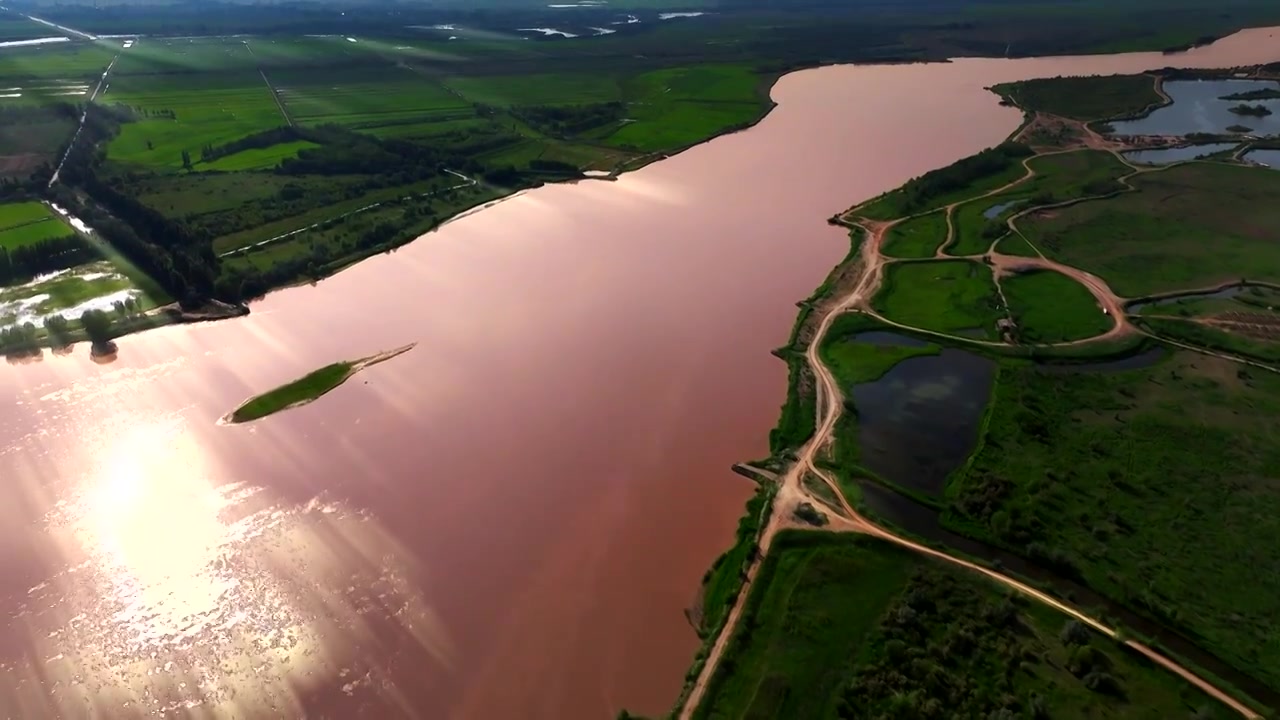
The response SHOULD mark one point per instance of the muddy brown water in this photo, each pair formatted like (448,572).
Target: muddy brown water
(507,521)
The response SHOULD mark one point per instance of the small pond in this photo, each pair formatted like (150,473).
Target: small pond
(1198,107)
(1270,158)
(920,420)
(994,211)
(1172,155)
(1224,293)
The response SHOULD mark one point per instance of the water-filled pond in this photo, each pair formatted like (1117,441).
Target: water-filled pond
(1270,158)
(995,210)
(920,420)
(1228,292)
(1198,107)
(1172,155)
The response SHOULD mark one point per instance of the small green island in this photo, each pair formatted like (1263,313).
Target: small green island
(1239,129)
(1251,110)
(306,389)
(1263,94)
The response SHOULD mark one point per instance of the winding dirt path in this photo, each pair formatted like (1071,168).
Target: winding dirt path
(829,407)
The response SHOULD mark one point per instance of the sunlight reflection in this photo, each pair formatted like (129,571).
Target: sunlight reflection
(213,601)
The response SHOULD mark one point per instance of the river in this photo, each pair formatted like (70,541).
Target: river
(507,521)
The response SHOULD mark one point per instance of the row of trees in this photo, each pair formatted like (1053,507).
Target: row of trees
(25,262)
(918,192)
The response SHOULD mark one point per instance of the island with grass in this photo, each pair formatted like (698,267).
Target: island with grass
(1259,94)
(1033,408)
(306,389)
(1247,110)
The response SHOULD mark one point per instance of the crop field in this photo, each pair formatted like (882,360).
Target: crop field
(1084,98)
(840,626)
(70,61)
(1049,307)
(13,27)
(362,100)
(950,296)
(1059,177)
(917,237)
(1155,486)
(207,109)
(1190,226)
(258,158)
(28,223)
(537,89)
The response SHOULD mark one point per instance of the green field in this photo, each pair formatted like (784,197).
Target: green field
(13,27)
(1059,177)
(964,179)
(27,223)
(1191,226)
(1157,487)
(854,362)
(362,99)
(1084,98)
(257,159)
(211,108)
(949,296)
(1049,307)
(917,237)
(849,627)
(1265,349)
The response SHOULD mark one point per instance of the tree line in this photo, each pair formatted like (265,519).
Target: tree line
(23,263)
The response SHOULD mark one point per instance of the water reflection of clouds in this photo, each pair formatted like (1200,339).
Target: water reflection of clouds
(176,595)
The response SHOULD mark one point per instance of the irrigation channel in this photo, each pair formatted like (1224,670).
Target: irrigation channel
(527,501)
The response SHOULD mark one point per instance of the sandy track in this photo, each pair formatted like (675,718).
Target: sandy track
(829,405)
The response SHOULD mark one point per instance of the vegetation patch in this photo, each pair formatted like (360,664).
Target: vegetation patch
(1156,487)
(1084,98)
(988,170)
(306,389)
(851,627)
(854,362)
(949,296)
(917,237)
(723,581)
(1049,307)
(1193,225)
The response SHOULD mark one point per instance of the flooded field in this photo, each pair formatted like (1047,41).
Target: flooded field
(920,420)
(1173,155)
(1199,107)
(66,293)
(1270,158)
(508,521)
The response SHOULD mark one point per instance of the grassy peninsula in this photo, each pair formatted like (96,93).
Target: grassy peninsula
(306,389)
(1121,470)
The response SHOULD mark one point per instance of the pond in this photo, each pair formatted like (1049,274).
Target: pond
(994,211)
(1269,158)
(1198,107)
(920,420)
(1227,292)
(1165,156)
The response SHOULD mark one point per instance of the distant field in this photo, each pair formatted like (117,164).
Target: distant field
(208,109)
(13,27)
(849,627)
(1084,98)
(28,223)
(1049,307)
(680,106)
(258,158)
(1059,177)
(69,61)
(1191,226)
(361,99)
(951,296)
(537,89)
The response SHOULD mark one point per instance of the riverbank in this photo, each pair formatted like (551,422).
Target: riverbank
(809,458)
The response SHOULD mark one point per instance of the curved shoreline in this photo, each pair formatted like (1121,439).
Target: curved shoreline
(352,371)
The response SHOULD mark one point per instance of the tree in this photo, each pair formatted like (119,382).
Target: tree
(186,159)
(97,325)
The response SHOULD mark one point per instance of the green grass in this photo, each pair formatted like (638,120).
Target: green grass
(1190,226)
(1214,338)
(949,296)
(1049,307)
(305,389)
(72,61)
(1059,177)
(967,178)
(851,627)
(362,99)
(257,158)
(1084,98)
(212,108)
(27,223)
(854,362)
(918,237)
(537,89)
(1013,244)
(723,582)
(675,107)
(1157,487)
